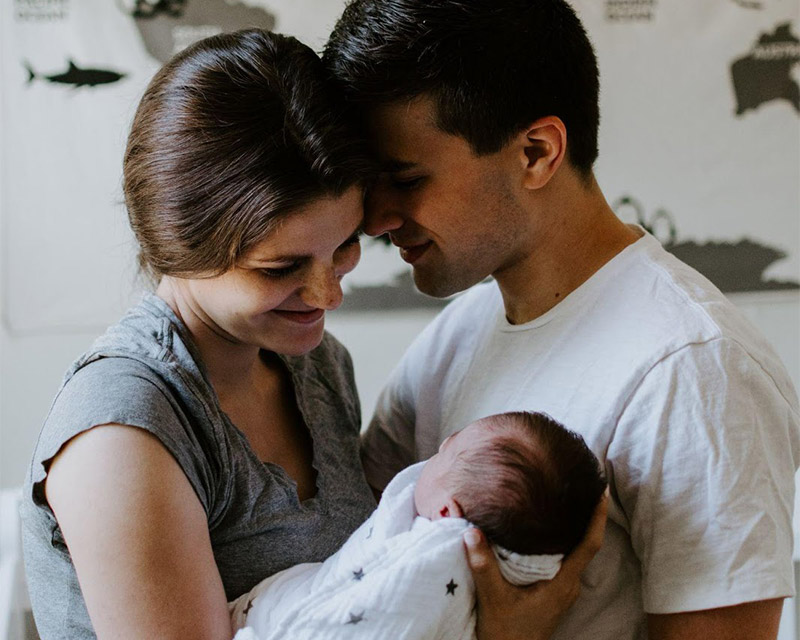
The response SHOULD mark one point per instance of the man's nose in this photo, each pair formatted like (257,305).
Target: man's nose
(381,214)
(323,289)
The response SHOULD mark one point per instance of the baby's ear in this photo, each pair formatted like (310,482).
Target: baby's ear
(451,510)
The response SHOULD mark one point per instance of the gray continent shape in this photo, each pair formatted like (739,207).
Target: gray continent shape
(157,32)
(758,81)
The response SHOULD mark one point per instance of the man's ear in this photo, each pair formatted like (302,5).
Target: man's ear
(451,509)
(543,146)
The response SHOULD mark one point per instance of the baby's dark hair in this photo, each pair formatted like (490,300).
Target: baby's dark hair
(533,488)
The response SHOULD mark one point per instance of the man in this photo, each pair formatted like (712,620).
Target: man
(484,115)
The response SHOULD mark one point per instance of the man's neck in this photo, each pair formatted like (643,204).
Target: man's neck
(575,237)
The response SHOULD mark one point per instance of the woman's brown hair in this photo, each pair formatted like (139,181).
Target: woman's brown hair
(232,133)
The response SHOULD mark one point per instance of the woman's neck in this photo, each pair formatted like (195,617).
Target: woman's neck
(230,364)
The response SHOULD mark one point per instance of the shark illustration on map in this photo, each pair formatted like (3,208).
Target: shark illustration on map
(76,76)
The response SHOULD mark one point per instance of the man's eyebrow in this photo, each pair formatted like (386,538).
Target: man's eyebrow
(392,166)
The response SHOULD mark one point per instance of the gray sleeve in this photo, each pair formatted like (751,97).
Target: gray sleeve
(125,391)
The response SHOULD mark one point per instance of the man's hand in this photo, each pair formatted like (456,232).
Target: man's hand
(506,612)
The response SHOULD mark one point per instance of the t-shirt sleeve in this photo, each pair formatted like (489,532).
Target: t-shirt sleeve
(702,464)
(120,390)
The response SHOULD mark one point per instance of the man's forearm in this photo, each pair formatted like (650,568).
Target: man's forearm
(749,621)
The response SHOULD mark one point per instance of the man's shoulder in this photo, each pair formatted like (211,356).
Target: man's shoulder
(454,332)
(655,294)
(663,302)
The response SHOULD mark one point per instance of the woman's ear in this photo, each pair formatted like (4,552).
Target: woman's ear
(543,146)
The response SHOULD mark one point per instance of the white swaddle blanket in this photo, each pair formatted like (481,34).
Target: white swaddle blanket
(398,576)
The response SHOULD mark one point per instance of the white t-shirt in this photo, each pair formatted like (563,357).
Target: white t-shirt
(687,407)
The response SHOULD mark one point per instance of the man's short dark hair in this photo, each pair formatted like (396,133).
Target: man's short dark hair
(492,66)
(533,488)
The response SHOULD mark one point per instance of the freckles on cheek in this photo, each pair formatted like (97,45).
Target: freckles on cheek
(269,298)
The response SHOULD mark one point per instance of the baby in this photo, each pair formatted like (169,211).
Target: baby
(527,482)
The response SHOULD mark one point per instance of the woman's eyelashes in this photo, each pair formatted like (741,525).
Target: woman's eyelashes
(354,239)
(280,272)
(289,269)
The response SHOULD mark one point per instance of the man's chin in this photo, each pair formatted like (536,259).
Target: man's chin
(441,285)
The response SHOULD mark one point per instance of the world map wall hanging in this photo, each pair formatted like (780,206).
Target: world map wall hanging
(700,125)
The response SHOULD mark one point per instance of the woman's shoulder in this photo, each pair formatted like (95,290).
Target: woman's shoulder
(141,373)
(141,362)
(110,386)
(150,332)
(124,391)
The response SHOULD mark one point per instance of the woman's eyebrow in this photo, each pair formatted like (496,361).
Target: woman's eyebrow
(302,257)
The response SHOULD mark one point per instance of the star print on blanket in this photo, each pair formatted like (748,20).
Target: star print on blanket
(451,588)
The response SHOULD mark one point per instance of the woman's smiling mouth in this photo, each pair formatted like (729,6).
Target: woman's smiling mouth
(301,317)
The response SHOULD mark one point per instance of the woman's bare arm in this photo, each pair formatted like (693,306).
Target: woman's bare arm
(138,537)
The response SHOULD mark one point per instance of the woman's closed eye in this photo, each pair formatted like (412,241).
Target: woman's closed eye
(280,272)
(354,239)
(290,268)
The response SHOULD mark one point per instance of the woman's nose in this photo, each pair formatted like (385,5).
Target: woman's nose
(323,289)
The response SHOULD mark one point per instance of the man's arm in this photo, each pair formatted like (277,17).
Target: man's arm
(703,463)
(749,621)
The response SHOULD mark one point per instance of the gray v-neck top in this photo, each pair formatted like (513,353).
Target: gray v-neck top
(145,372)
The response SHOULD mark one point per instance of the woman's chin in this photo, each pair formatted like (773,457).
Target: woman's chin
(296,345)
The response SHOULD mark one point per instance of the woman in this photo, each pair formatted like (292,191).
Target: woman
(210,438)
(243,186)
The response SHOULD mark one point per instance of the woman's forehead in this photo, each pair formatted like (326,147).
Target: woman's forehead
(301,232)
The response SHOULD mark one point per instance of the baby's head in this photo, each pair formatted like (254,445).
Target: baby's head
(527,482)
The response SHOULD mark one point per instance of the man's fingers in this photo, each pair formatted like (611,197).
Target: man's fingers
(483,564)
(576,562)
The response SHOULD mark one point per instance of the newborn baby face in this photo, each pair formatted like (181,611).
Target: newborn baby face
(433,494)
